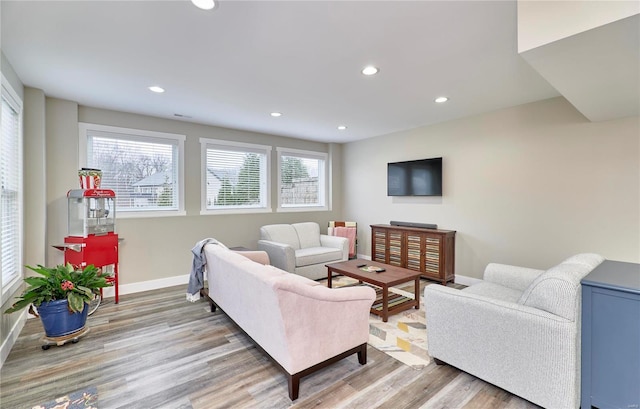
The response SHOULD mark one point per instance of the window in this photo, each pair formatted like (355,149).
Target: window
(235,177)
(302,180)
(143,168)
(10,188)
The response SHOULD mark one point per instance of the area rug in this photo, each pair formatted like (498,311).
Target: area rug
(403,336)
(82,399)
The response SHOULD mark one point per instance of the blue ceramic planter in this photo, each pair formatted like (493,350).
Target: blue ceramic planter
(58,321)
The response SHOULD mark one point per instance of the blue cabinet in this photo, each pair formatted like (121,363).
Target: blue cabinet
(611,336)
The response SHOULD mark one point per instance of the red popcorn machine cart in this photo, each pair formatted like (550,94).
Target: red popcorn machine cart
(92,238)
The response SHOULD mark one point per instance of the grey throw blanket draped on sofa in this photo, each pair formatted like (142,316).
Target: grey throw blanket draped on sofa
(196,278)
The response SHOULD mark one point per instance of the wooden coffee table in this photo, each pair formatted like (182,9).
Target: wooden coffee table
(391,276)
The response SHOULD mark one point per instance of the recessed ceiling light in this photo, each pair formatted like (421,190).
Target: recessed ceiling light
(276,114)
(342,127)
(156,89)
(440,100)
(370,70)
(204,4)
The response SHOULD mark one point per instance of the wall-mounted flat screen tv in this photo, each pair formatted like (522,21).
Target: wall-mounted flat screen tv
(415,178)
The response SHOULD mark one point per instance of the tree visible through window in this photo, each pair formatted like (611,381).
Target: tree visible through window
(236,175)
(142,170)
(302,179)
(247,189)
(293,169)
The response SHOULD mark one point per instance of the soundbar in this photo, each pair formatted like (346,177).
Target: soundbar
(412,224)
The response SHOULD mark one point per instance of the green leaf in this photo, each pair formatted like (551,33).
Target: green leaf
(17,306)
(84,290)
(76,302)
(47,286)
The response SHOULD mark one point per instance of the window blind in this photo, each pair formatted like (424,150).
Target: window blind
(10,193)
(141,170)
(235,176)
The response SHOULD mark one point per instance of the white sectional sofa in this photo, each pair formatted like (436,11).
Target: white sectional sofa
(519,329)
(301,324)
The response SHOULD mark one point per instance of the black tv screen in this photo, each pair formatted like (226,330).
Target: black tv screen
(415,178)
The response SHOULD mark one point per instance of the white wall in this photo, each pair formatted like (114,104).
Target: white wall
(542,22)
(160,248)
(529,185)
(34,177)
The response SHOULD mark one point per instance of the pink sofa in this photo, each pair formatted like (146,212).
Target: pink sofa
(301,324)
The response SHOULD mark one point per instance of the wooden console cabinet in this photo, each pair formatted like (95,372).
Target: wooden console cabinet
(430,251)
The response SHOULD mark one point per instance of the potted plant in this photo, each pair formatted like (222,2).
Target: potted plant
(61,295)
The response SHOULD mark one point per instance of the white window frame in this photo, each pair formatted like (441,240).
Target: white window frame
(323,180)
(147,136)
(206,143)
(12,98)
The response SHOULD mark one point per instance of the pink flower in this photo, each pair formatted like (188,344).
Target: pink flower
(67,285)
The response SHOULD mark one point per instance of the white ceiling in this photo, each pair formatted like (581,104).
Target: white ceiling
(234,65)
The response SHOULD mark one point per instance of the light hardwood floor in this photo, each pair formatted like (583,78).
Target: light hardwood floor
(156,350)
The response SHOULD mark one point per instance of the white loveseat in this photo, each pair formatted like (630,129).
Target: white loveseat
(300,248)
(519,329)
(301,324)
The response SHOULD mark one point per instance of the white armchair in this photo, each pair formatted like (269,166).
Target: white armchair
(518,329)
(300,248)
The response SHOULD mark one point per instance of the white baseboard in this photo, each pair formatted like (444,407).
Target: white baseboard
(147,286)
(11,339)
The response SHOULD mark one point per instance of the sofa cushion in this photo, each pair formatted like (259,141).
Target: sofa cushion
(495,291)
(317,255)
(557,289)
(308,234)
(280,233)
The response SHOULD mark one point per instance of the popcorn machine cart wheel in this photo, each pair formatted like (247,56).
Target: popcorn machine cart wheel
(59,341)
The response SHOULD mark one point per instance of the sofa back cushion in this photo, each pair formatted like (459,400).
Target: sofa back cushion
(557,290)
(308,234)
(280,233)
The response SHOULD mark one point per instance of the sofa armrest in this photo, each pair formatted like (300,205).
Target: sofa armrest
(517,278)
(321,322)
(281,255)
(259,256)
(336,242)
(506,344)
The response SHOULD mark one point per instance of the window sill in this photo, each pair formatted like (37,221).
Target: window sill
(210,212)
(10,290)
(303,209)
(147,214)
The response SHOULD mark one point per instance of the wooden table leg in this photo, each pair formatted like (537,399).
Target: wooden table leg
(385,303)
(329,277)
(417,293)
